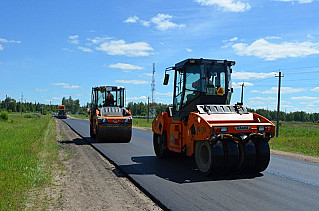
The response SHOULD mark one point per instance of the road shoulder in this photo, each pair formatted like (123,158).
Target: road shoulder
(90,182)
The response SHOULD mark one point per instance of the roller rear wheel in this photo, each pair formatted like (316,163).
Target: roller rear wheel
(249,156)
(160,145)
(209,158)
(232,157)
(262,155)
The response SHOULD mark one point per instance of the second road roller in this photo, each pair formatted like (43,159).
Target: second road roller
(110,121)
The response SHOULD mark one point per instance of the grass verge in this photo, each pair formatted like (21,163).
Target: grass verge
(28,150)
(297,137)
(142,123)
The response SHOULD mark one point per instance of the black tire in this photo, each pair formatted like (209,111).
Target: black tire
(91,132)
(232,156)
(159,143)
(262,155)
(249,157)
(209,158)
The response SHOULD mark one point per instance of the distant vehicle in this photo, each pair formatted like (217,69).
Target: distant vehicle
(61,112)
(110,121)
(53,114)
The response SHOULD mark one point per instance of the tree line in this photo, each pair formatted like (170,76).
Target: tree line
(140,109)
(11,105)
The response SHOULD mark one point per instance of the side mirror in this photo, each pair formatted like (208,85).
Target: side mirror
(231,70)
(166,79)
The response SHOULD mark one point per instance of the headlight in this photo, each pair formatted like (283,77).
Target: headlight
(128,120)
(264,128)
(220,129)
(102,120)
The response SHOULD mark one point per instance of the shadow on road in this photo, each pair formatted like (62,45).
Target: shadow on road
(77,141)
(177,169)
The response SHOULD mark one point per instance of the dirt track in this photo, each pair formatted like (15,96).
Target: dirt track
(90,182)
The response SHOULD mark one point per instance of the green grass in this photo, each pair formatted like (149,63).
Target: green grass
(142,123)
(297,137)
(28,150)
(80,116)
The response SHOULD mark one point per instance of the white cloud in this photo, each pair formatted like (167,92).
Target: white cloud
(1,47)
(71,87)
(283,90)
(233,39)
(237,85)
(188,50)
(132,81)
(59,84)
(299,1)
(147,74)
(273,38)
(97,40)
(74,39)
(163,22)
(41,90)
(85,49)
(305,98)
(316,89)
(252,75)
(136,98)
(164,94)
(66,85)
(263,98)
(132,19)
(226,5)
(56,98)
(120,47)
(271,51)
(124,66)
(9,41)
(145,23)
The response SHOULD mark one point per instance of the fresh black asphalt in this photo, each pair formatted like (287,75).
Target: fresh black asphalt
(287,184)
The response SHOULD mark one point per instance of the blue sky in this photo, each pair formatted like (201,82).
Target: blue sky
(54,49)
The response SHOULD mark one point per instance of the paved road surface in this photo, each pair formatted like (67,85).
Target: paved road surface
(287,184)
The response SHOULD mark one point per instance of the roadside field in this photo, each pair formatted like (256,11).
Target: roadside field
(28,150)
(297,137)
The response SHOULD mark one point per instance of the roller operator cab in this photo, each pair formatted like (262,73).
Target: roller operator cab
(110,121)
(222,138)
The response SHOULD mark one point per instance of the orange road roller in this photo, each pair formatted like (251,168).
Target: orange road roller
(222,138)
(110,121)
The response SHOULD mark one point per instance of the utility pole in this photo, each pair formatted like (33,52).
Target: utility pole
(278,104)
(6,101)
(153,89)
(21,103)
(148,108)
(242,93)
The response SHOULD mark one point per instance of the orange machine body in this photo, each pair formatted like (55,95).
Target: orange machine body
(182,135)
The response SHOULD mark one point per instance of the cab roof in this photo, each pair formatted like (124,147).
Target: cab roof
(108,88)
(202,61)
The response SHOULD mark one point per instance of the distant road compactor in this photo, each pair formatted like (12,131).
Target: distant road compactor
(223,138)
(109,119)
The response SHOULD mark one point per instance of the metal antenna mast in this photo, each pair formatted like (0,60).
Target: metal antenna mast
(153,89)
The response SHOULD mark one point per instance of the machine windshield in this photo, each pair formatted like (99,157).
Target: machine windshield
(110,98)
(206,78)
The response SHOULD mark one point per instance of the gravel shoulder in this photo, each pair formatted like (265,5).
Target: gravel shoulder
(90,182)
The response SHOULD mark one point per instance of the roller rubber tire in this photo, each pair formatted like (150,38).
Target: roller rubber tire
(159,145)
(91,132)
(250,156)
(262,155)
(209,158)
(232,156)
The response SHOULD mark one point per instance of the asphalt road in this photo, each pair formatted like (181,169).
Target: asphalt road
(287,184)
